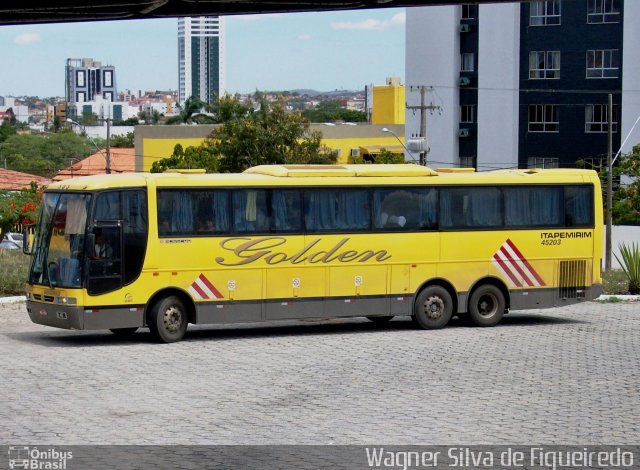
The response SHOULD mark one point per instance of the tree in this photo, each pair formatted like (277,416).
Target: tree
(44,155)
(266,136)
(333,110)
(385,156)
(190,112)
(6,130)
(250,136)
(19,207)
(122,141)
(626,198)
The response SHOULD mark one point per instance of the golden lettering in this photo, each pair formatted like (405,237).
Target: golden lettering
(248,250)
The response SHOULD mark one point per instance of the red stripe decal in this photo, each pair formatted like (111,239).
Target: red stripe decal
(506,269)
(199,290)
(513,263)
(526,263)
(207,283)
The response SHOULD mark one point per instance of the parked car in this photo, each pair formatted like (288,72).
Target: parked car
(13,237)
(9,245)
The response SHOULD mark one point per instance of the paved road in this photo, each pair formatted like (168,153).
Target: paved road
(560,376)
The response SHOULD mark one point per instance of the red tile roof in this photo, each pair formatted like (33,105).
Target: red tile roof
(15,180)
(122,161)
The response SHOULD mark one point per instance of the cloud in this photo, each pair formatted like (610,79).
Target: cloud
(304,37)
(26,39)
(372,25)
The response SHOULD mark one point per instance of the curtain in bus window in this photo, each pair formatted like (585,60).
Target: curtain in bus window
(182,213)
(220,214)
(134,207)
(578,206)
(76,216)
(484,207)
(320,210)
(427,214)
(108,206)
(285,210)
(250,211)
(353,210)
(532,206)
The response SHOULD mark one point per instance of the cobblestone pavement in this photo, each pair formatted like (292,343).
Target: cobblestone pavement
(558,376)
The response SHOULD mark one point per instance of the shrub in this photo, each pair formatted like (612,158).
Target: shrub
(14,266)
(630,263)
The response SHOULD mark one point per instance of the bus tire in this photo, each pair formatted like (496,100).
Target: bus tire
(380,319)
(433,308)
(124,332)
(168,320)
(486,305)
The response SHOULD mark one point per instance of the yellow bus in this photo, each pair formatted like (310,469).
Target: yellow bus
(125,251)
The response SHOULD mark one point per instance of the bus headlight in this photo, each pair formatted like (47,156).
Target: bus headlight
(66,300)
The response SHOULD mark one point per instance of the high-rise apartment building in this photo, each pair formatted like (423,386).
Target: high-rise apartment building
(86,78)
(524,84)
(201,58)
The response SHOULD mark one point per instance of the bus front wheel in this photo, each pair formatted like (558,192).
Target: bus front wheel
(486,305)
(168,320)
(433,308)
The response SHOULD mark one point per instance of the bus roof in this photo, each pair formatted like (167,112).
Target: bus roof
(327,175)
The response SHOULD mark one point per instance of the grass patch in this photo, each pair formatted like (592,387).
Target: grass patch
(14,266)
(615,281)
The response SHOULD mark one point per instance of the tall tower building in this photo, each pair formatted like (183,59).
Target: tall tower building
(84,78)
(524,84)
(201,57)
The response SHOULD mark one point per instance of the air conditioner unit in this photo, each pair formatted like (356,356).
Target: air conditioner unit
(464,133)
(355,152)
(465,81)
(465,28)
(417,145)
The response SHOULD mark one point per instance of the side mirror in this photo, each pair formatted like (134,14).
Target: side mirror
(28,238)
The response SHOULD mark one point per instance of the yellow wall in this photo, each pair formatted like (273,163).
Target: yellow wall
(150,148)
(388,104)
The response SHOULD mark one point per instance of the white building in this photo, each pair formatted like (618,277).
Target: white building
(201,57)
(523,84)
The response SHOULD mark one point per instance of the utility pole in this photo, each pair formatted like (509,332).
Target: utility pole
(423,116)
(607,259)
(108,149)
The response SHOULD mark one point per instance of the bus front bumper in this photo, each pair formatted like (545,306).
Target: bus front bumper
(59,316)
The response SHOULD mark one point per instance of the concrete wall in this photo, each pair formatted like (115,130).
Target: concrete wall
(622,234)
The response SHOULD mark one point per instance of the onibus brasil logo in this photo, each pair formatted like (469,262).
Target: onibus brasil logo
(32,458)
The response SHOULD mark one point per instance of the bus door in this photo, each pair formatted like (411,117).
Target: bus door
(104,257)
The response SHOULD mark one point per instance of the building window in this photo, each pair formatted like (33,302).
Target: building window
(603,11)
(80,78)
(545,13)
(543,118)
(543,162)
(603,63)
(108,78)
(467,62)
(596,118)
(467,162)
(544,64)
(467,113)
(80,97)
(468,12)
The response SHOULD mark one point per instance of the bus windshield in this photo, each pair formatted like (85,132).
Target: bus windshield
(58,250)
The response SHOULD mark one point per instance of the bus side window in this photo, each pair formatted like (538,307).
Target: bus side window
(250,211)
(578,206)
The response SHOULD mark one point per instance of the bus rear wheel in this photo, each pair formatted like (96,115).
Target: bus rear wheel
(433,308)
(168,320)
(486,305)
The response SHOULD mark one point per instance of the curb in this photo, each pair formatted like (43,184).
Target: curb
(12,300)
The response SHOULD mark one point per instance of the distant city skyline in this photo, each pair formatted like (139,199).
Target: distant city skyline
(322,51)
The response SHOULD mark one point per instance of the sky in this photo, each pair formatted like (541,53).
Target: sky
(340,50)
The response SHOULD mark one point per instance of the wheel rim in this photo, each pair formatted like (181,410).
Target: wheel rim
(434,308)
(172,319)
(487,305)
